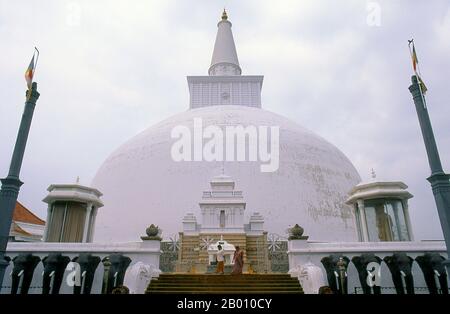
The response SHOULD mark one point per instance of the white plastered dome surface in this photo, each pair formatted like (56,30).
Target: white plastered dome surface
(142,184)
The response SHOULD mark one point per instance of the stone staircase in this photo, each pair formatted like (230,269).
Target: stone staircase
(224,284)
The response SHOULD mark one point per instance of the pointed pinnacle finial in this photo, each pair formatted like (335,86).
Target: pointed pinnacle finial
(374,175)
(224,15)
(77,180)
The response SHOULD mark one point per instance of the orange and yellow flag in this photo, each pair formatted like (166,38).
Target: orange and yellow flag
(422,85)
(415,63)
(414,58)
(29,73)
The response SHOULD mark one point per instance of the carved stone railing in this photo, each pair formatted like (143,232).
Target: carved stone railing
(68,268)
(398,267)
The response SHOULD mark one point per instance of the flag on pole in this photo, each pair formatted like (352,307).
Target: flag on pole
(422,85)
(415,62)
(414,58)
(29,73)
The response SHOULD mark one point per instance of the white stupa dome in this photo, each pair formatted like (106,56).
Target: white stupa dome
(142,184)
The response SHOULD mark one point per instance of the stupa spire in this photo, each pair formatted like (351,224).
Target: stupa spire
(225,85)
(224,59)
(224,15)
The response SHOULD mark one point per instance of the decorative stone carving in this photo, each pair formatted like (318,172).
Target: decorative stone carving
(278,257)
(432,266)
(400,266)
(310,276)
(88,265)
(336,269)
(206,242)
(152,230)
(138,276)
(24,265)
(54,266)
(296,233)
(169,255)
(152,233)
(361,262)
(115,268)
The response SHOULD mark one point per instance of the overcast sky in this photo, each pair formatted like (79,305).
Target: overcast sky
(110,69)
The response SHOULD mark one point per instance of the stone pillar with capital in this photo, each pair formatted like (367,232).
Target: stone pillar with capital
(87,220)
(47,222)
(362,214)
(408,219)
(92,224)
(297,242)
(151,243)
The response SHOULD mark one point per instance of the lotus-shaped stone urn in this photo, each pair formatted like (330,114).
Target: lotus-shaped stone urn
(152,232)
(296,233)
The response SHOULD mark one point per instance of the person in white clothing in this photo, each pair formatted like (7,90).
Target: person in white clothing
(220,260)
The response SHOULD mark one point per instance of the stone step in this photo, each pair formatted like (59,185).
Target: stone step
(246,276)
(251,276)
(223,278)
(226,292)
(237,281)
(225,284)
(227,281)
(224,288)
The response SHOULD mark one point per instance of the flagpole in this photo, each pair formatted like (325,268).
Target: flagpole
(10,188)
(439,180)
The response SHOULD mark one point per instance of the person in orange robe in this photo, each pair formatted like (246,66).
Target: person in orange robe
(238,260)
